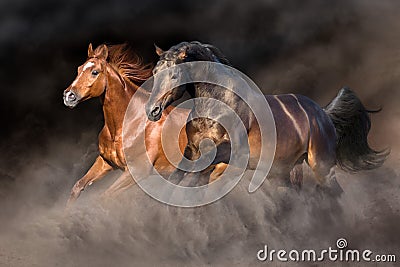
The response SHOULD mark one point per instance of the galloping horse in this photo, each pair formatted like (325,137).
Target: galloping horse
(305,131)
(114,74)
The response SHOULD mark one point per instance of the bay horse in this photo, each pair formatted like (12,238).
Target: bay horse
(323,137)
(114,74)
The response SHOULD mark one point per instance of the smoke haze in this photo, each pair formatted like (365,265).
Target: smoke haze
(307,47)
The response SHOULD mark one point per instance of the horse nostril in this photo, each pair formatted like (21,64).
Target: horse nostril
(156,110)
(70,96)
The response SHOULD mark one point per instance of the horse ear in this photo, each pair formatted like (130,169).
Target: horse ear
(101,52)
(90,51)
(159,51)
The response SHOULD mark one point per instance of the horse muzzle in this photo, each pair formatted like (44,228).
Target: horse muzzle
(71,99)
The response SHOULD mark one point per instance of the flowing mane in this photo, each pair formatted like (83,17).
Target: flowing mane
(218,54)
(128,64)
(197,51)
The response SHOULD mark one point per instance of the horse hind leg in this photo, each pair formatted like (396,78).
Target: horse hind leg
(121,184)
(324,172)
(296,174)
(321,154)
(296,177)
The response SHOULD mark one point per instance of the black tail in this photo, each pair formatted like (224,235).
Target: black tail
(352,124)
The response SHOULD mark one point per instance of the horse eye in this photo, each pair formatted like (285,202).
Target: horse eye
(95,72)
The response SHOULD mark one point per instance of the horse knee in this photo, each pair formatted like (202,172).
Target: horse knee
(217,172)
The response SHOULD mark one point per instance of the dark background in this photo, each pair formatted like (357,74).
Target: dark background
(308,47)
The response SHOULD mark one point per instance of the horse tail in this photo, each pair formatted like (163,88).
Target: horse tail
(352,122)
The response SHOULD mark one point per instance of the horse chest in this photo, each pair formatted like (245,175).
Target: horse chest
(110,148)
(201,128)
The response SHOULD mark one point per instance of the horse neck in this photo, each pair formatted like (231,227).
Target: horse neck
(224,95)
(204,90)
(211,91)
(117,96)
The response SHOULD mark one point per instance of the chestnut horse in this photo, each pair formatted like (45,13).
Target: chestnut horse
(114,74)
(305,131)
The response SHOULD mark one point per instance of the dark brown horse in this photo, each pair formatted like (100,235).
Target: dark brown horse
(114,74)
(305,131)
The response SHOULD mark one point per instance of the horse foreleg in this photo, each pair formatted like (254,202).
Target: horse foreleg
(223,153)
(217,172)
(220,161)
(99,168)
(190,153)
(217,166)
(122,183)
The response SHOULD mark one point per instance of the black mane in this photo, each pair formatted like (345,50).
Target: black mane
(195,51)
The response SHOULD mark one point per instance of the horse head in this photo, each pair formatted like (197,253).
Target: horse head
(91,79)
(166,74)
